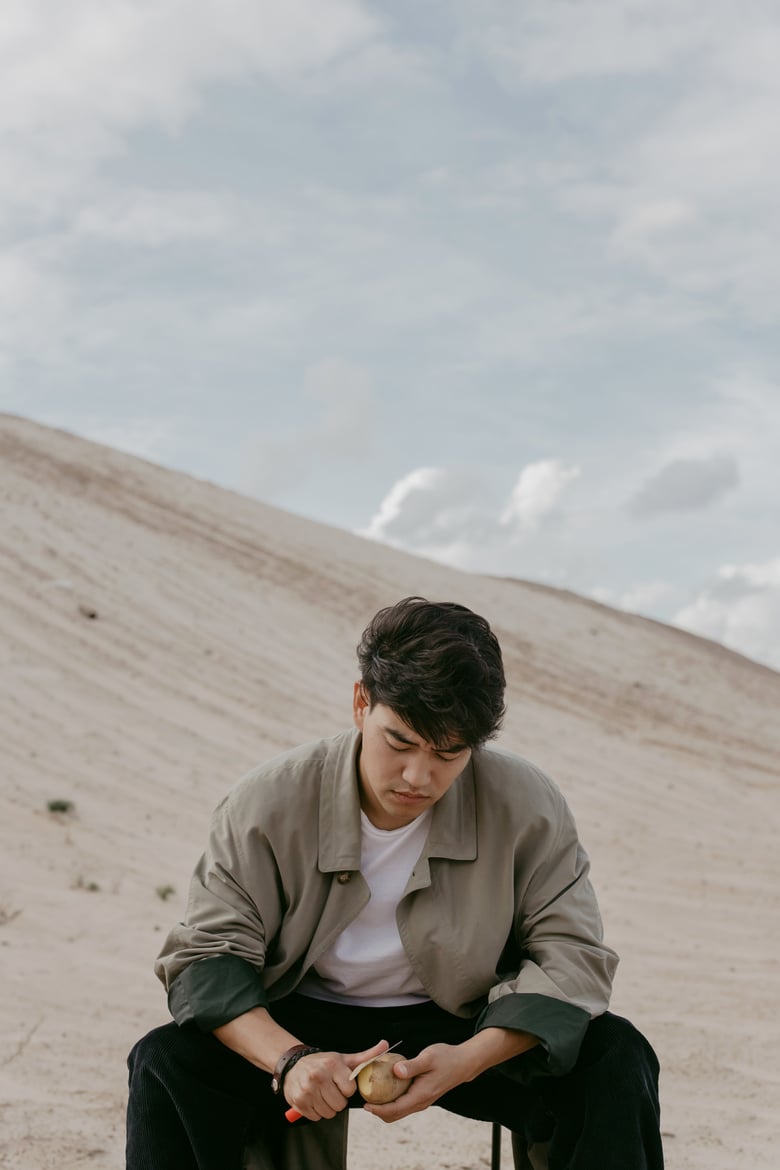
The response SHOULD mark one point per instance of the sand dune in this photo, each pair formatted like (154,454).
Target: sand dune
(160,635)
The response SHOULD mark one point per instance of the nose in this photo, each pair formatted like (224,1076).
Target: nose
(417,771)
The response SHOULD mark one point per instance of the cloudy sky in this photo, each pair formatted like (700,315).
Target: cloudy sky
(496,282)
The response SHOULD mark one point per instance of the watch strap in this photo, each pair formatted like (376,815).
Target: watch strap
(286,1062)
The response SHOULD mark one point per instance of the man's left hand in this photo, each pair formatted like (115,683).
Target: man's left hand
(434,1072)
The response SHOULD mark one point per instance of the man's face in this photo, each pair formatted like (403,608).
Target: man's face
(400,775)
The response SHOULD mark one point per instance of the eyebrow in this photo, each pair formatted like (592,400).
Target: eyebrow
(449,750)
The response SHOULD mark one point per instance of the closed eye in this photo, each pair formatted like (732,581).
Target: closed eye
(447,759)
(397,744)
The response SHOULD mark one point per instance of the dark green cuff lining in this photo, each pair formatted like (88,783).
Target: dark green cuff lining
(211,992)
(560,1027)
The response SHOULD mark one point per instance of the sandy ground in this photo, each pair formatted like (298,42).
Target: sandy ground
(160,635)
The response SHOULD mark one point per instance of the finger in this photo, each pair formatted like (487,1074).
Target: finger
(333,1098)
(407,1070)
(353,1059)
(323,1088)
(424,1062)
(395,1110)
(314,1111)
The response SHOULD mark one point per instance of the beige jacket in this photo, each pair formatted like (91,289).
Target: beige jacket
(499,919)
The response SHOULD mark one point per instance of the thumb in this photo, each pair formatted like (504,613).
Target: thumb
(353,1059)
(407,1070)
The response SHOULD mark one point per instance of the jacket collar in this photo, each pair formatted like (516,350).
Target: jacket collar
(453,832)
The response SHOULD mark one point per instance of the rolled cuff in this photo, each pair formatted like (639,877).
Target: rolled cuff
(560,1027)
(211,992)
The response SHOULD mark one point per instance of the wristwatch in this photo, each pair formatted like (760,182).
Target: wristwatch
(286,1062)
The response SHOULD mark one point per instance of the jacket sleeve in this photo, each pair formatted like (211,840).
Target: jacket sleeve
(212,963)
(561,971)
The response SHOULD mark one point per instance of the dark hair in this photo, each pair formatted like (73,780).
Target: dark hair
(438,666)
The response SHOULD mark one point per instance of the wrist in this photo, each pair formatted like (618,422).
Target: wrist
(286,1061)
(492,1046)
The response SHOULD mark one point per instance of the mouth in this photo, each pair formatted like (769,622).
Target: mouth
(410,797)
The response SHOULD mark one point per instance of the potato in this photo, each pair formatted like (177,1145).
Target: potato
(377,1083)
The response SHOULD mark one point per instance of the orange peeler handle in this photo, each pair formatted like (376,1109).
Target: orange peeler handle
(293,1115)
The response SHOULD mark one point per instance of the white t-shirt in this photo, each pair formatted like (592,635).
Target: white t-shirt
(367,963)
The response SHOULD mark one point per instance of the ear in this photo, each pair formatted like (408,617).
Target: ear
(360,705)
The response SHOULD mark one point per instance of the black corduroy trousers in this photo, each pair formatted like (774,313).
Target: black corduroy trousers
(195,1105)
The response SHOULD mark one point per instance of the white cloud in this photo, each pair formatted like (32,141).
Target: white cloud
(378,63)
(76,81)
(456,515)
(536,492)
(548,41)
(688,204)
(683,176)
(406,504)
(757,575)
(741,609)
(435,511)
(75,78)
(642,225)
(122,62)
(152,219)
(686,484)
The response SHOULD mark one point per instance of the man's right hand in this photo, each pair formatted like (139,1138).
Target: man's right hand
(319,1085)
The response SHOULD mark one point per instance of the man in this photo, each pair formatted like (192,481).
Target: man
(400,882)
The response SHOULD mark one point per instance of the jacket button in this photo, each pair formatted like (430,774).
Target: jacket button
(343,878)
